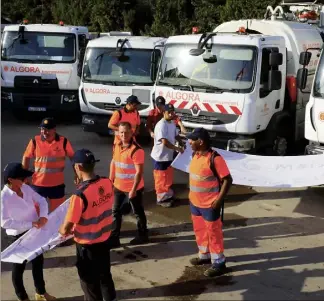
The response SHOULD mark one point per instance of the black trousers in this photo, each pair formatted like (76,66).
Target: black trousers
(137,204)
(93,264)
(18,272)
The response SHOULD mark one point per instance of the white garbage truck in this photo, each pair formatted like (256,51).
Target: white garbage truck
(41,67)
(239,82)
(114,68)
(314,114)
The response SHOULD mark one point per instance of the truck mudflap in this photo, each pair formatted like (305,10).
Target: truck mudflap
(314,149)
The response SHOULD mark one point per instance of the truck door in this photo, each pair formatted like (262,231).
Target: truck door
(269,102)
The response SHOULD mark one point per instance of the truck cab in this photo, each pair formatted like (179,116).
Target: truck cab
(114,68)
(40,67)
(239,82)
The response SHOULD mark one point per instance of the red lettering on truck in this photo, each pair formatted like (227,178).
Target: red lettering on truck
(183,96)
(26,69)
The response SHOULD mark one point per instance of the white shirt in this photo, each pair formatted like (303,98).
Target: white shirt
(163,130)
(17,214)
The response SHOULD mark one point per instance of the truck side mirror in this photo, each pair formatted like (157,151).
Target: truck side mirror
(275,80)
(275,59)
(304,58)
(302,74)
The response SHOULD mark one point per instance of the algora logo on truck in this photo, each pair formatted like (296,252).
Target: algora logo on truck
(21,69)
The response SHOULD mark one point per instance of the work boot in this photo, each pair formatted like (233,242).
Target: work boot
(217,269)
(139,240)
(200,261)
(45,297)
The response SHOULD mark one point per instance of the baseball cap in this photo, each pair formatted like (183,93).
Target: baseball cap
(48,123)
(84,156)
(133,99)
(16,171)
(160,100)
(169,108)
(199,133)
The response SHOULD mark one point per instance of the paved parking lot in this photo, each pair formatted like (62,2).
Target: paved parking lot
(273,238)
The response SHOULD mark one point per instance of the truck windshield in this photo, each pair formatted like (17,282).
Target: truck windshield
(38,47)
(233,69)
(319,78)
(101,66)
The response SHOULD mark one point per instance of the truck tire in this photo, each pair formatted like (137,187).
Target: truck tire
(280,138)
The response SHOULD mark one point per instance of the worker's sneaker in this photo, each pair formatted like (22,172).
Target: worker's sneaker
(217,269)
(45,297)
(199,261)
(166,204)
(139,240)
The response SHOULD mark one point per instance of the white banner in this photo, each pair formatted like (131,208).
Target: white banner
(266,171)
(38,241)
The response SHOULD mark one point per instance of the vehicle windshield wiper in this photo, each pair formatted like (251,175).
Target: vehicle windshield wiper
(211,89)
(102,54)
(185,87)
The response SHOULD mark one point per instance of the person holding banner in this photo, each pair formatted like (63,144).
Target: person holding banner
(21,209)
(89,219)
(209,182)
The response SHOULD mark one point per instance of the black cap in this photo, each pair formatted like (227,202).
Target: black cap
(84,156)
(133,99)
(160,100)
(16,171)
(48,123)
(169,108)
(199,133)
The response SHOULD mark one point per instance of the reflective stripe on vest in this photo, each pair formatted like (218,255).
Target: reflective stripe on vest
(49,170)
(96,221)
(93,235)
(124,175)
(49,162)
(203,185)
(49,159)
(124,165)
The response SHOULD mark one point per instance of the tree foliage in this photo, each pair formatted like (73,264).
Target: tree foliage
(144,17)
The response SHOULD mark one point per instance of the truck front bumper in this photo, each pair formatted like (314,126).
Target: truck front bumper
(37,101)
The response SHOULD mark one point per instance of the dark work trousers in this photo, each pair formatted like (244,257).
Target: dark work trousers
(18,272)
(138,209)
(93,264)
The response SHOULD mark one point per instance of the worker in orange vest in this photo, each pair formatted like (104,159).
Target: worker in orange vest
(49,150)
(209,183)
(130,114)
(89,219)
(126,172)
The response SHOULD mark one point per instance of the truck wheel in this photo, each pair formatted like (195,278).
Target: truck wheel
(280,140)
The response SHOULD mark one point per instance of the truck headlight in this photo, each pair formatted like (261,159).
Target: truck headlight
(69,98)
(6,96)
(240,145)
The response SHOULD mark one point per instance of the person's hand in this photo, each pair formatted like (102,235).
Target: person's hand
(216,204)
(152,135)
(180,150)
(36,224)
(132,194)
(42,222)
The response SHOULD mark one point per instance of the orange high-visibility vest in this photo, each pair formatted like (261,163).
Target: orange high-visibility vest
(123,116)
(96,221)
(124,161)
(203,185)
(49,161)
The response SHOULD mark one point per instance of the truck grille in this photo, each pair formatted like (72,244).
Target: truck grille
(35,100)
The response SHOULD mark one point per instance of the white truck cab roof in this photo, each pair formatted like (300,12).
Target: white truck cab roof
(48,28)
(139,42)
